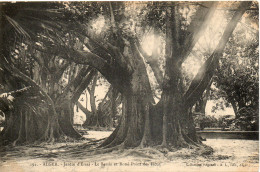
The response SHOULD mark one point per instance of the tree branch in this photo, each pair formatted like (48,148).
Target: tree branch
(203,77)
(85,82)
(197,27)
(83,109)
(75,82)
(87,58)
(153,62)
(204,6)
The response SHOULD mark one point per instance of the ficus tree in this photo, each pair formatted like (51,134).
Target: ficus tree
(116,53)
(168,122)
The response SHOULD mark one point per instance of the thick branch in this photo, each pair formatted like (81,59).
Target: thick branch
(228,9)
(197,27)
(83,85)
(87,58)
(203,77)
(153,62)
(83,109)
(75,82)
(94,46)
(147,90)
(114,75)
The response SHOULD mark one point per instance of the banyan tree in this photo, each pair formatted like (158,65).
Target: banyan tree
(117,53)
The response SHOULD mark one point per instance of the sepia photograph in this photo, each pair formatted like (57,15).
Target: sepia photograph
(128,86)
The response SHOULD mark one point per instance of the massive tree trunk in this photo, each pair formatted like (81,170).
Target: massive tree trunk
(176,125)
(134,126)
(139,117)
(64,104)
(130,131)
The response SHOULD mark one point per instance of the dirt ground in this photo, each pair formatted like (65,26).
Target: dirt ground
(229,155)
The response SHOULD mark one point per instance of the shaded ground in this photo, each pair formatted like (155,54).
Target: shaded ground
(229,155)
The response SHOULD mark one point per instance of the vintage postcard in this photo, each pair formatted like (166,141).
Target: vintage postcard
(129,86)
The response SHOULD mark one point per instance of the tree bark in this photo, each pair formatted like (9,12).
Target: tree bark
(134,127)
